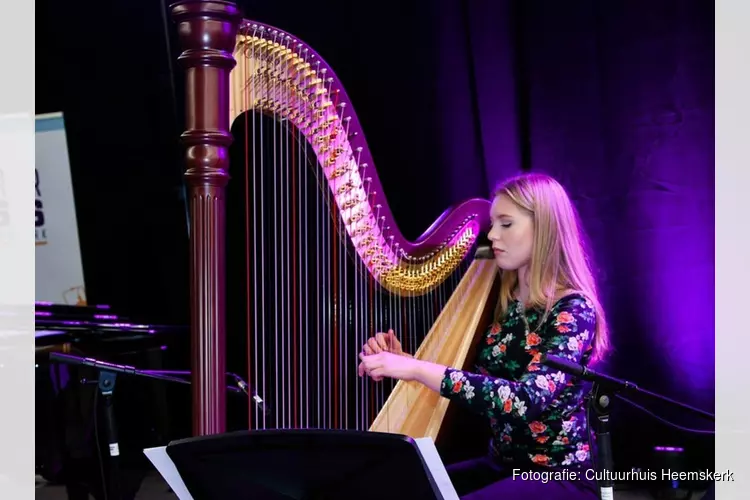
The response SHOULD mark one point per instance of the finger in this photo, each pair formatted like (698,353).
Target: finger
(362,369)
(374,345)
(370,363)
(392,339)
(380,339)
(366,349)
(377,374)
(375,377)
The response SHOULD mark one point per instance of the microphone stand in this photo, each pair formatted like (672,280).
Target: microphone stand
(599,401)
(604,389)
(107,379)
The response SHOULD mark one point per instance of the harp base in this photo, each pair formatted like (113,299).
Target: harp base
(304,465)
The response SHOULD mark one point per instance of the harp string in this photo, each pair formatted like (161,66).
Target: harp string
(329,302)
(291,276)
(305,326)
(333,304)
(277,250)
(300,273)
(283,266)
(275,247)
(252,308)
(343,272)
(305,274)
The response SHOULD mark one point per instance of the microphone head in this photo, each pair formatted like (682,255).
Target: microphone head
(484,252)
(563,364)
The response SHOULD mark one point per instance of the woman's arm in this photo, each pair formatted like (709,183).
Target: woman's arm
(429,374)
(568,333)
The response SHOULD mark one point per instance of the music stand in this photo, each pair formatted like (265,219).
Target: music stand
(303,465)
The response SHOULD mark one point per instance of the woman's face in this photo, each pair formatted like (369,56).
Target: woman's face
(512,234)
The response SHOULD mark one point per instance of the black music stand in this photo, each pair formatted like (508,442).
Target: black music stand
(304,465)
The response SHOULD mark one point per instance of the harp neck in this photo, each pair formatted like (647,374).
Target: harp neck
(277,74)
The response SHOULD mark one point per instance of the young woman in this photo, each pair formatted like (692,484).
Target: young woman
(548,304)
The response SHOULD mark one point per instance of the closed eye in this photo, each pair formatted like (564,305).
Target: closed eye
(502,224)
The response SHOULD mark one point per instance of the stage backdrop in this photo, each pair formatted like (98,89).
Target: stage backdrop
(615,98)
(59,272)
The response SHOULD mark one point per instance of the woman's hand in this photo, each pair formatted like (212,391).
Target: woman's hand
(386,364)
(383,342)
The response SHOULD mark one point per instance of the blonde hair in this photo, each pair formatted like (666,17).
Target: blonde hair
(559,261)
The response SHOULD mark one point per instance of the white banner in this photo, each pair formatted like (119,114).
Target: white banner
(59,271)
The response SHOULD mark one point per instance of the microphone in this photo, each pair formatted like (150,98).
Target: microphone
(251,393)
(484,252)
(93,363)
(572,368)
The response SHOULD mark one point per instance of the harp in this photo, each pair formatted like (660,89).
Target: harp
(323,265)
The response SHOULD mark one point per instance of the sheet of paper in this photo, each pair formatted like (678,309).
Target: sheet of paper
(168,471)
(437,468)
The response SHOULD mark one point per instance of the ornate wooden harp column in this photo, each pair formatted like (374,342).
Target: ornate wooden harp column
(207,32)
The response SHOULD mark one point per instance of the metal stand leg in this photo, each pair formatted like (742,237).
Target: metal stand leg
(601,401)
(106,388)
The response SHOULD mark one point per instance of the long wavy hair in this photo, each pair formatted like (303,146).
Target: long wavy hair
(559,259)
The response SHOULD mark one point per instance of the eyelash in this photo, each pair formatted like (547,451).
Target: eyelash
(506,225)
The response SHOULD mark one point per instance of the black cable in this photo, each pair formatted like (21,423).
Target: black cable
(592,454)
(98,444)
(663,420)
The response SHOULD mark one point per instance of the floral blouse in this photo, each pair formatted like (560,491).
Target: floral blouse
(537,414)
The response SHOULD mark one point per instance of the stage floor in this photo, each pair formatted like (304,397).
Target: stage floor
(153,487)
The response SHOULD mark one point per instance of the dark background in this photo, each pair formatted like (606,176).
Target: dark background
(615,98)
